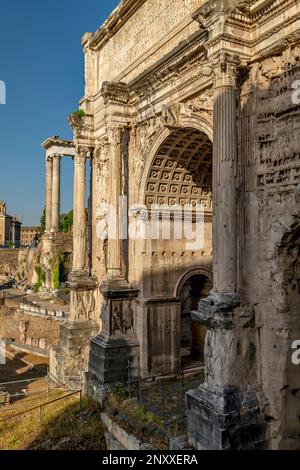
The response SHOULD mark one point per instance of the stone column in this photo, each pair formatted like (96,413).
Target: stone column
(69,359)
(225,171)
(114,255)
(116,348)
(49,170)
(79,211)
(224,412)
(55,213)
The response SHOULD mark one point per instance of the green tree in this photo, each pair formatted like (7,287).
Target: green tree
(43,221)
(66,222)
(42,228)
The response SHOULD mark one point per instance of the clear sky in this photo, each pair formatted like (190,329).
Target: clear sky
(41,62)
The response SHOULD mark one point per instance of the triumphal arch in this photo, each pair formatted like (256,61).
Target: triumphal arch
(190,103)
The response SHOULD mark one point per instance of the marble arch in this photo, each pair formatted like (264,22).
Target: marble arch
(226,71)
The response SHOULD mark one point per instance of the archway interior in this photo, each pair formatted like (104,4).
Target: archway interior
(192,334)
(181,173)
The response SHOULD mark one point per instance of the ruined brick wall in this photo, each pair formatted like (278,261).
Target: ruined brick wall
(31,330)
(9,261)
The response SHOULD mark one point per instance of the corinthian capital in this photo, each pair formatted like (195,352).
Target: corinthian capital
(225,70)
(116,134)
(82,153)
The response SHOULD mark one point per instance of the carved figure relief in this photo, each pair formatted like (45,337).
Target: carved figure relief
(122,317)
(83,304)
(278,121)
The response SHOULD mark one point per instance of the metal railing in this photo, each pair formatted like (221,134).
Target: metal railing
(42,406)
(163,395)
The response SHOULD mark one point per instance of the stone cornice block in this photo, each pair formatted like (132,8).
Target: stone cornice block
(115,92)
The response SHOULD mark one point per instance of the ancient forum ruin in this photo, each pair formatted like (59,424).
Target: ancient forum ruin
(189,116)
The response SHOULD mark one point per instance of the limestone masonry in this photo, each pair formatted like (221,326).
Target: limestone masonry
(197,105)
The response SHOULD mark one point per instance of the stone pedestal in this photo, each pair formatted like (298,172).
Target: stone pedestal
(225,412)
(114,356)
(228,419)
(69,359)
(114,360)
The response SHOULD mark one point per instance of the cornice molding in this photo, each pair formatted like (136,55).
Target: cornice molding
(115,92)
(115,21)
(182,56)
(55,141)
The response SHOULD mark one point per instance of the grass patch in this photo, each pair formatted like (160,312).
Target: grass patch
(136,419)
(62,425)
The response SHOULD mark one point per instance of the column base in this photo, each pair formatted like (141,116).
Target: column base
(115,353)
(69,360)
(225,419)
(225,412)
(113,361)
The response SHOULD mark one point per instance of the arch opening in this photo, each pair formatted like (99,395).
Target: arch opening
(179,177)
(192,334)
(181,172)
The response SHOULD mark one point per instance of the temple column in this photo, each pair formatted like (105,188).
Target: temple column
(114,254)
(69,360)
(79,212)
(49,170)
(116,348)
(55,212)
(225,412)
(225,172)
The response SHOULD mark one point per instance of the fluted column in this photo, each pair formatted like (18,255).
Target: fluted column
(49,168)
(225,169)
(114,256)
(55,215)
(79,211)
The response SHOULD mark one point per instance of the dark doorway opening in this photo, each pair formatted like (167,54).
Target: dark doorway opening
(192,340)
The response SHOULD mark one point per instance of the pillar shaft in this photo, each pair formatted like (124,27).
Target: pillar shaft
(79,212)
(114,257)
(49,169)
(55,215)
(224,168)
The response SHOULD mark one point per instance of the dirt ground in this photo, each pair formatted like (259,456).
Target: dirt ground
(23,366)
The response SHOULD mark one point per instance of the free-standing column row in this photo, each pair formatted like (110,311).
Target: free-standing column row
(79,207)
(55,149)
(52,193)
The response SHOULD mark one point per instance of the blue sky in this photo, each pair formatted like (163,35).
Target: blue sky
(41,62)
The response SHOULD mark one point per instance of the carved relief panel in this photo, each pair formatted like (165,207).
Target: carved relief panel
(278,122)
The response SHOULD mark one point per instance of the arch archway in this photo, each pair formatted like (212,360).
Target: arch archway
(194,122)
(195,287)
(181,171)
(178,174)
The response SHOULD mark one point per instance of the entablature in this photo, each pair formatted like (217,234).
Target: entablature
(55,146)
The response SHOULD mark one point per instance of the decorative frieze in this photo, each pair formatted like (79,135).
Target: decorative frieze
(278,122)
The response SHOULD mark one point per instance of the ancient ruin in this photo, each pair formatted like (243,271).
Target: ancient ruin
(197,105)
(10,228)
